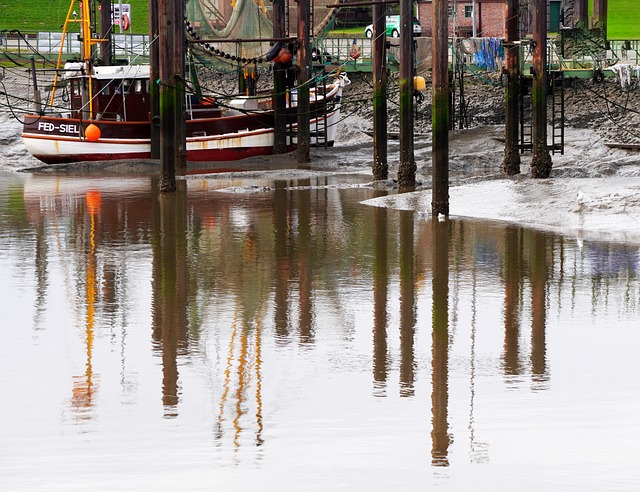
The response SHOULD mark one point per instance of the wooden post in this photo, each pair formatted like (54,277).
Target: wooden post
(380,164)
(511,163)
(407,167)
(105,32)
(541,160)
(440,110)
(582,13)
(279,84)
(180,89)
(600,16)
(154,78)
(172,135)
(304,76)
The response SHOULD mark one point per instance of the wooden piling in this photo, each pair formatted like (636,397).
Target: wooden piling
(581,13)
(407,167)
(511,163)
(106,57)
(304,76)
(541,160)
(154,78)
(600,16)
(380,164)
(172,107)
(440,110)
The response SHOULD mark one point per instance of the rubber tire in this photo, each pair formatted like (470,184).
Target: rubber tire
(395,33)
(368,33)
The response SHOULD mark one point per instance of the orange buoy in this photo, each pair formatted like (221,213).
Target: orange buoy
(92,133)
(284,56)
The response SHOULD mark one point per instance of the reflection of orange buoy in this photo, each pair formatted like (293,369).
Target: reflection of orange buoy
(94,199)
(92,133)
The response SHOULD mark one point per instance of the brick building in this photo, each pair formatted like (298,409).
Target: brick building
(490,16)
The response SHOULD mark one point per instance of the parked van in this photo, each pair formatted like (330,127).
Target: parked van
(393,27)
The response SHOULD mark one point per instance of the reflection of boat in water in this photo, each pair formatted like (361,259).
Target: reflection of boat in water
(108,117)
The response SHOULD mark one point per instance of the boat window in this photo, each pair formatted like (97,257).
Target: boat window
(126,86)
(75,87)
(138,86)
(106,89)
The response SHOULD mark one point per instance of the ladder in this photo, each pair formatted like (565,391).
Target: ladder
(557,111)
(526,116)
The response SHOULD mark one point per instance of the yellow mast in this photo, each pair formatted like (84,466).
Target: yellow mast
(87,42)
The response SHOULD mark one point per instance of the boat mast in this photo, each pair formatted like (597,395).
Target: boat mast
(85,51)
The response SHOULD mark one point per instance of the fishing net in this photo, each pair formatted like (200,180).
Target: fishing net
(220,20)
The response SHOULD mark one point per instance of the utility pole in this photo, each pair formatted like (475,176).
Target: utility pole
(304,76)
(407,167)
(172,122)
(541,160)
(379,44)
(440,110)
(511,163)
(279,84)
(154,77)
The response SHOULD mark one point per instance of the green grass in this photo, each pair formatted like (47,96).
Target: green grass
(49,15)
(347,32)
(623,19)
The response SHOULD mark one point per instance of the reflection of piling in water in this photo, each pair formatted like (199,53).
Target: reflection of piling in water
(407,305)
(170,289)
(305,272)
(539,277)
(512,281)
(380,280)
(281,253)
(440,345)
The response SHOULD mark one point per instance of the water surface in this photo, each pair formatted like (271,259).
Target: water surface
(250,334)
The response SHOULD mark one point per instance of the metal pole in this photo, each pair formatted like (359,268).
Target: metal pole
(440,110)
(511,163)
(541,160)
(37,98)
(304,76)
(407,167)
(380,164)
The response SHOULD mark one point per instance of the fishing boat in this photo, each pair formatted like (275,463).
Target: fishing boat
(107,117)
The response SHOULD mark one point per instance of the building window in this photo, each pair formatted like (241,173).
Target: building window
(468,11)
(451,10)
